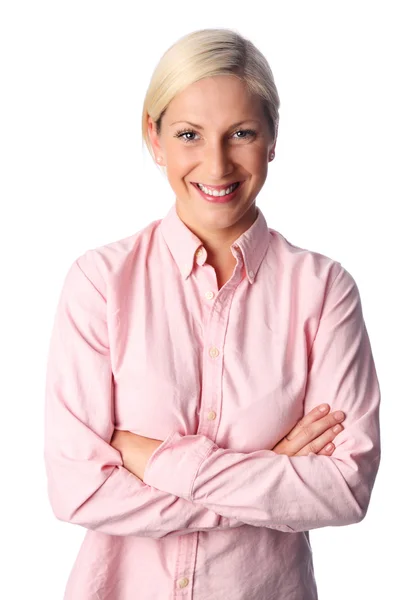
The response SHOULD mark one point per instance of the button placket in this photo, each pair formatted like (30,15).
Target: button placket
(214,339)
(206,277)
(213,352)
(212,366)
(182,583)
(187,549)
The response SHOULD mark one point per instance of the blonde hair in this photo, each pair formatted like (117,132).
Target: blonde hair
(207,53)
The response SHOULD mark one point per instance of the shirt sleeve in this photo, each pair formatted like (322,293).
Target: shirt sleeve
(87,482)
(297,493)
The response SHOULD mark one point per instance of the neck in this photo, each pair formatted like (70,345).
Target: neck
(217,242)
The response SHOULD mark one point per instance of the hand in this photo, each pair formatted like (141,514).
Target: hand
(311,434)
(135,450)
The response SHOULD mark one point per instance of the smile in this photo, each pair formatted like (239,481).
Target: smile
(221,195)
(217,191)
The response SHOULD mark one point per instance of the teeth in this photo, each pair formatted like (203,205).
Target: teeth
(217,192)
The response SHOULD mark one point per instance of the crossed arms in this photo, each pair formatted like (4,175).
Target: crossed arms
(189,483)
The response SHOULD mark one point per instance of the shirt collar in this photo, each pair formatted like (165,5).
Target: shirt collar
(185,246)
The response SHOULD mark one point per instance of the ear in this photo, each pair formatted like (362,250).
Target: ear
(154,138)
(273,146)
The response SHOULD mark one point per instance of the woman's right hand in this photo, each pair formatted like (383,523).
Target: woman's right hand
(313,433)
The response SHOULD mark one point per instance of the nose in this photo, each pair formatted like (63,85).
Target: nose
(217,160)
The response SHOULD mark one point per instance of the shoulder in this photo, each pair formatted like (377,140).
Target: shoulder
(310,276)
(111,259)
(301,262)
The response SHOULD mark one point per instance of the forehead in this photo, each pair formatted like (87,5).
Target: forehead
(214,99)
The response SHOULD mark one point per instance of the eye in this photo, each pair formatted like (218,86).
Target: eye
(183,132)
(248,133)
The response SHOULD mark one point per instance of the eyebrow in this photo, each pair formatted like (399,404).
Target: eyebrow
(231,127)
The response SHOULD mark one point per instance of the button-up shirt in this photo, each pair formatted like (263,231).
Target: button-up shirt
(143,340)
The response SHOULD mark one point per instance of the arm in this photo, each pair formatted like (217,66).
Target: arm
(299,492)
(87,482)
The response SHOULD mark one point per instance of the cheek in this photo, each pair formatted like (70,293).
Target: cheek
(253,158)
(259,165)
(178,156)
(179,165)
(260,158)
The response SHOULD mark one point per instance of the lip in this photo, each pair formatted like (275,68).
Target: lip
(219,199)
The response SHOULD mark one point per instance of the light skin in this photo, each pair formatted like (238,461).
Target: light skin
(218,153)
(215,153)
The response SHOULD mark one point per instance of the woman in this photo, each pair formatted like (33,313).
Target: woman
(188,363)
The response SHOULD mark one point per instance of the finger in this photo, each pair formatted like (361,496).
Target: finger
(314,415)
(316,422)
(319,443)
(311,432)
(327,450)
(312,426)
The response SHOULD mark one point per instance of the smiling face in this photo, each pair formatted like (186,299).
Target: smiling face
(201,141)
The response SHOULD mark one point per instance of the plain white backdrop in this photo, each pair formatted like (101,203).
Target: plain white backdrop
(74,176)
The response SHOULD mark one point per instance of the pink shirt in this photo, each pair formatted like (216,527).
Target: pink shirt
(144,341)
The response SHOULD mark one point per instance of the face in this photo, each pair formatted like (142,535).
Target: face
(201,142)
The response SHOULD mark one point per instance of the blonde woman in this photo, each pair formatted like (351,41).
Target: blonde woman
(198,369)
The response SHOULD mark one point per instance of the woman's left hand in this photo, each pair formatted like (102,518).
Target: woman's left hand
(135,450)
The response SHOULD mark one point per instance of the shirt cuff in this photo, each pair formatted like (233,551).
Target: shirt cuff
(174,465)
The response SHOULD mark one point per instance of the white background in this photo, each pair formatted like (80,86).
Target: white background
(74,176)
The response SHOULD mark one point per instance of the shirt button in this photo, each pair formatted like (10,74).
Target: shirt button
(183,582)
(211,415)
(209,295)
(199,252)
(214,352)
(251,274)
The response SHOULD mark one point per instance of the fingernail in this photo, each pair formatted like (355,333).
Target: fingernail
(323,407)
(338,415)
(328,447)
(337,428)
